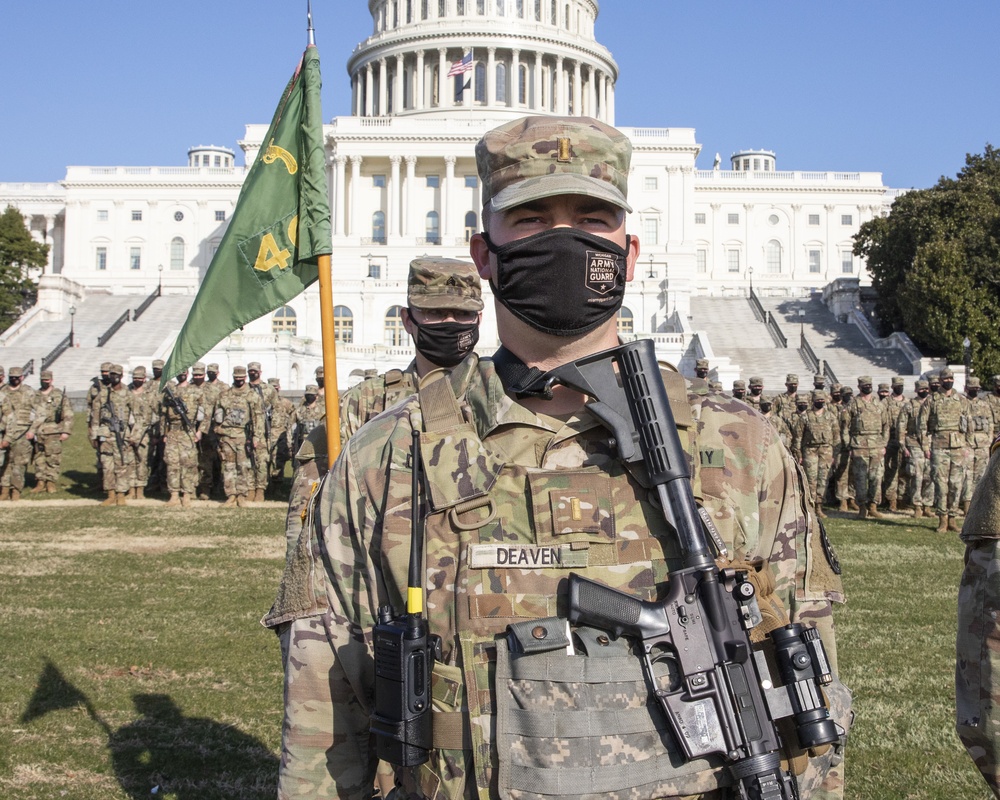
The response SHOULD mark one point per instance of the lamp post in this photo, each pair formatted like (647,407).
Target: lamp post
(651,273)
(802,323)
(72,313)
(967,351)
(371,265)
(750,274)
(159,283)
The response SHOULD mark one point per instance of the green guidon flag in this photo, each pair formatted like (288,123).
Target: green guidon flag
(280,226)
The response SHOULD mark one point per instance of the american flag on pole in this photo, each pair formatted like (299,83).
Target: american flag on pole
(461,66)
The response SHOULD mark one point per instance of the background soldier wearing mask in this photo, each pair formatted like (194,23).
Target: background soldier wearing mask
(756,392)
(157,468)
(238,413)
(111,424)
(784,404)
(701,368)
(17,408)
(281,421)
(209,466)
(994,400)
(945,425)
(818,433)
(308,415)
(146,426)
(980,438)
(796,419)
(97,385)
(268,397)
(778,422)
(892,479)
(841,478)
(740,390)
(869,428)
(915,465)
(53,425)
(180,420)
(554,217)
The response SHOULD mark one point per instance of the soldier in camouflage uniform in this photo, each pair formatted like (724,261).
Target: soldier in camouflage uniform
(784,404)
(779,423)
(238,422)
(915,467)
(112,408)
(934,381)
(869,430)
(993,398)
(281,432)
(716,387)
(321,380)
(53,426)
(843,486)
(796,420)
(534,463)
(209,466)
(977,693)
(819,382)
(701,368)
(944,425)
(307,416)
(97,384)
(820,429)
(892,478)
(181,417)
(145,427)
(268,397)
(740,390)
(980,437)
(18,411)
(756,392)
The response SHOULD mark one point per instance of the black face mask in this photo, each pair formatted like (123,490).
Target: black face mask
(765,408)
(818,406)
(562,281)
(46,385)
(973,393)
(946,385)
(801,406)
(739,394)
(212,376)
(14,382)
(105,379)
(923,393)
(756,390)
(116,379)
(897,390)
(446,343)
(310,399)
(238,382)
(866,389)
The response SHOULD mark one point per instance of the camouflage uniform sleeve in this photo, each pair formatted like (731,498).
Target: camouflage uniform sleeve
(977,695)
(350,414)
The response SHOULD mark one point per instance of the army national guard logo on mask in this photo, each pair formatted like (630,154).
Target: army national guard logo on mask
(603,270)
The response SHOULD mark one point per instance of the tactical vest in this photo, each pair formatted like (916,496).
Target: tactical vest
(867,420)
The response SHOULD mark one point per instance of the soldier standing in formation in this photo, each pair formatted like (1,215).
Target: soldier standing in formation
(819,430)
(181,414)
(267,396)
(17,418)
(281,422)
(110,422)
(740,390)
(893,480)
(869,433)
(53,426)
(308,415)
(944,426)
(756,391)
(209,465)
(238,422)
(915,465)
(980,438)
(785,403)
(778,422)
(144,431)
(701,368)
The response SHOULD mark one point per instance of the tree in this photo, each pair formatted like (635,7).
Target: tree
(18,254)
(935,263)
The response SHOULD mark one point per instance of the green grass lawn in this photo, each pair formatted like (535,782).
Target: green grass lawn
(131,656)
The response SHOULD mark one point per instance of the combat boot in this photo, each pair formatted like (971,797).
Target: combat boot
(953,525)
(929,513)
(843,505)
(965,508)
(231,501)
(112,499)
(819,512)
(140,493)
(122,499)
(185,502)
(863,512)
(15,494)
(873,511)
(852,504)
(38,487)
(203,493)
(4,493)
(892,504)
(174,499)
(241,500)
(918,512)
(50,487)
(942,523)
(259,496)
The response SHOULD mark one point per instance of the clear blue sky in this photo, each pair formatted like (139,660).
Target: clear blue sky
(902,88)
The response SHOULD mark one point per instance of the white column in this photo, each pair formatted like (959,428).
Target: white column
(449,177)
(383,90)
(352,210)
(491,76)
(50,237)
(591,93)
(577,90)
(397,86)
(369,90)
(411,178)
(419,99)
(393,189)
(604,97)
(514,82)
(560,90)
(442,77)
(537,101)
(611,103)
(339,201)
(354,94)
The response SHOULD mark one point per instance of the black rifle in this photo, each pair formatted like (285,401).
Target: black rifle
(718,703)
(251,451)
(268,412)
(114,423)
(59,410)
(179,408)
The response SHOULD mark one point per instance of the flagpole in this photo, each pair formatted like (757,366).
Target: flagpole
(330,395)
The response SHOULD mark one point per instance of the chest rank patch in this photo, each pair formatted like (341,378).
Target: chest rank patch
(526,556)
(602,271)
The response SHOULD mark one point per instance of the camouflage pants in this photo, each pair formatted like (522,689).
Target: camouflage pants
(816,462)
(890,473)
(977,692)
(140,469)
(48,457)
(18,457)
(237,474)
(262,475)
(209,466)
(918,473)
(279,454)
(948,465)
(866,465)
(116,467)
(842,486)
(180,454)
(979,457)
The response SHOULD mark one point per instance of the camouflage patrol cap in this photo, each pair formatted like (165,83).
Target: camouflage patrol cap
(311,388)
(846,391)
(139,372)
(535,157)
(739,385)
(15,372)
(766,400)
(239,372)
(820,396)
(883,387)
(864,379)
(158,363)
(897,381)
(791,377)
(212,368)
(921,384)
(803,397)
(946,373)
(46,375)
(973,383)
(933,377)
(756,380)
(701,363)
(444,283)
(835,387)
(819,380)
(371,372)
(319,371)
(254,365)
(715,386)
(106,365)
(198,368)
(273,382)
(116,369)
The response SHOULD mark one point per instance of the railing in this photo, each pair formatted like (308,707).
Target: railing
(828,371)
(808,354)
(758,309)
(28,369)
(774,330)
(104,337)
(435,240)
(147,302)
(57,351)
(372,240)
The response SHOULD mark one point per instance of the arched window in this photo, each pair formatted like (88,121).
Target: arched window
(395,333)
(501,77)
(177,253)
(284,321)
(471,225)
(774,256)
(626,322)
(343,324)
(378,227)
(553,18)
(480,82)
(432,228)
